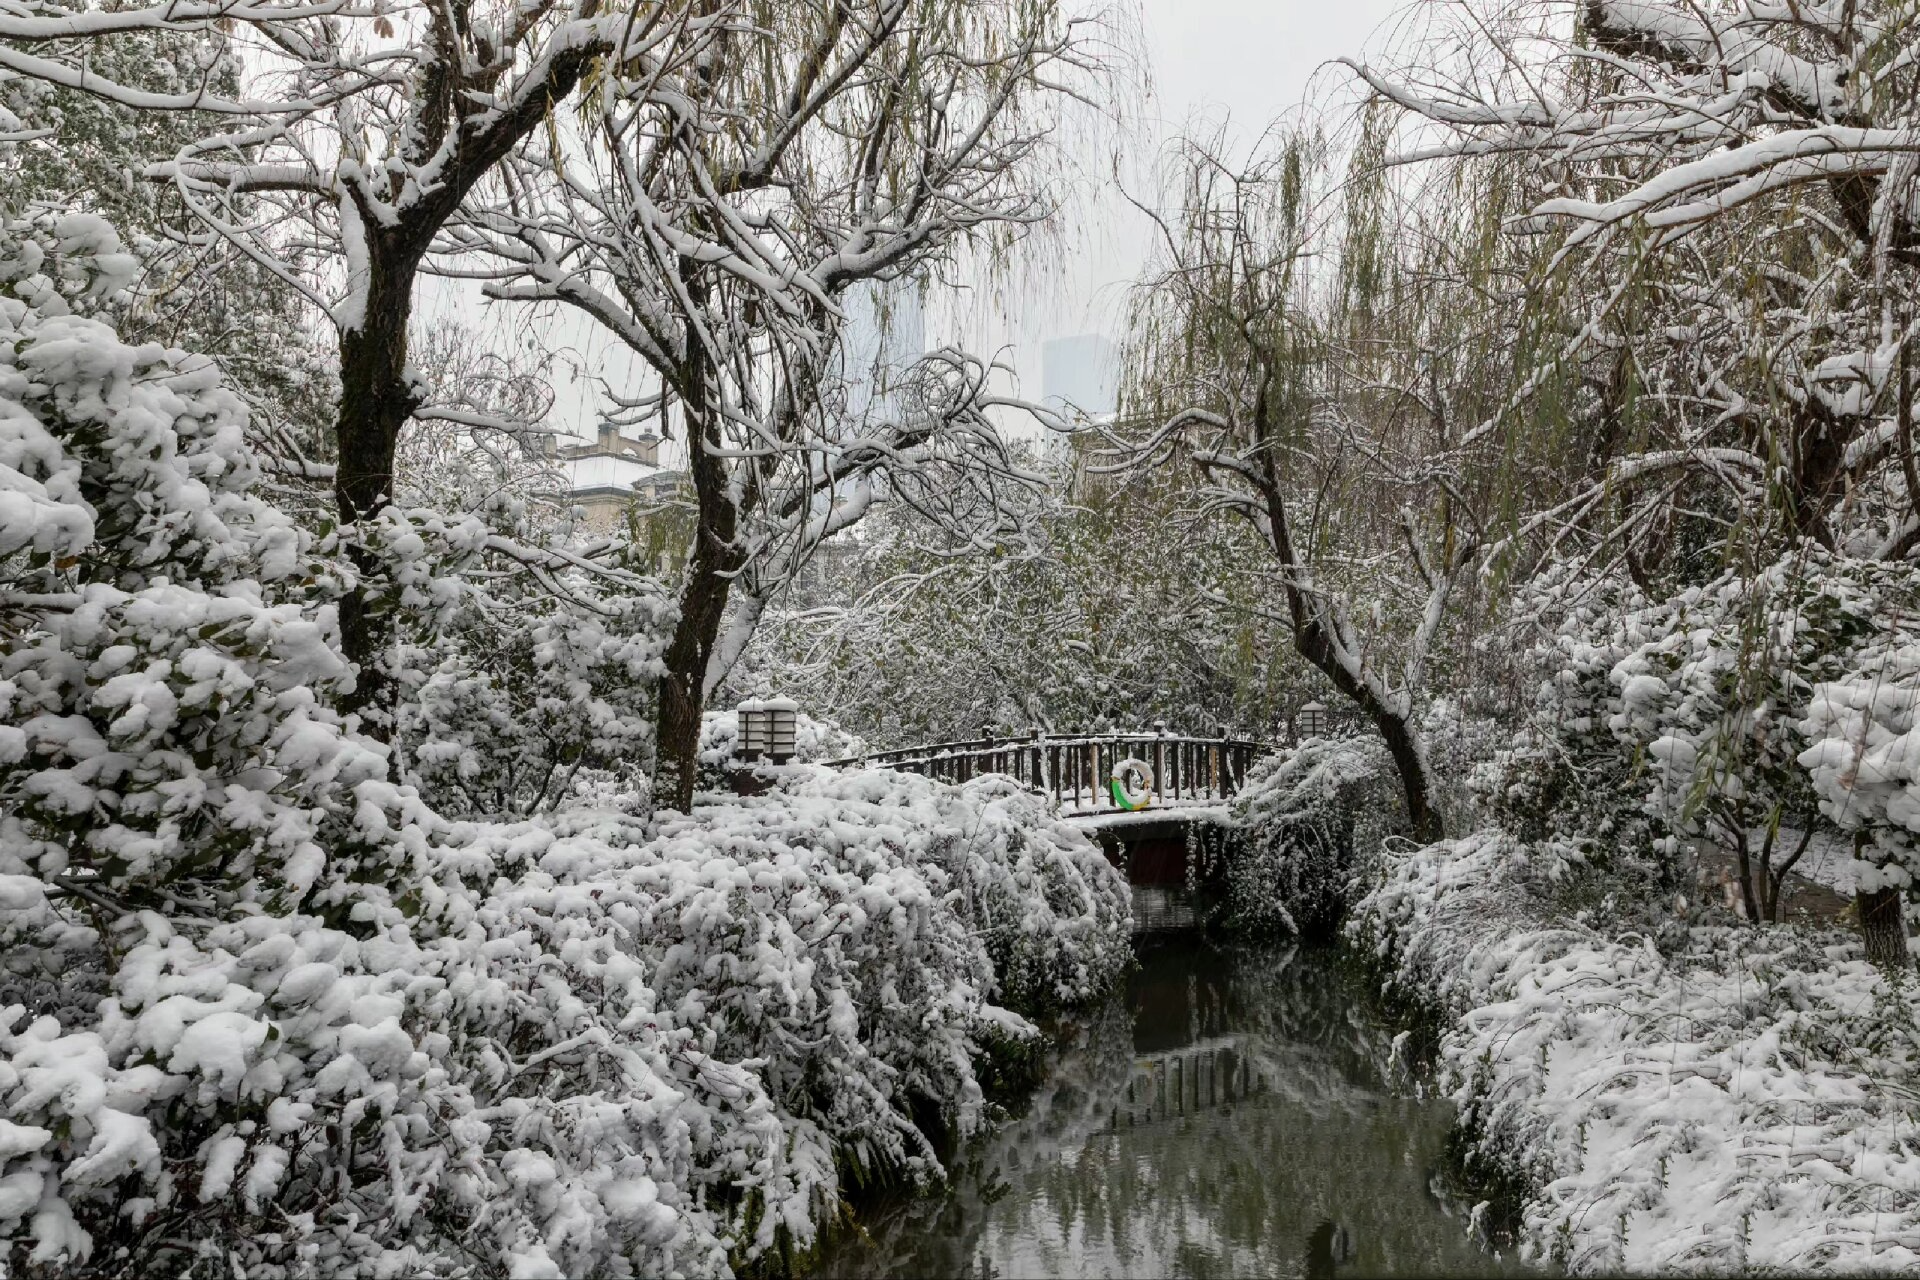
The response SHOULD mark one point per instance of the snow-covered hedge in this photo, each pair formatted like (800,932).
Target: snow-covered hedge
(1719,1110)
(573,1046)
(1305,825)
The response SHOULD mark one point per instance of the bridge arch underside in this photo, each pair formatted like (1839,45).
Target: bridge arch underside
(1155,852)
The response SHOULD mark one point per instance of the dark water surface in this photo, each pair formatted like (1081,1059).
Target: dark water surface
(1230,1114)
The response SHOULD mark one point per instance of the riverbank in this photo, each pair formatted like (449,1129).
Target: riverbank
(1730,1103)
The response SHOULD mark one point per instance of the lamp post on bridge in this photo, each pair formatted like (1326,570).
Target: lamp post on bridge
(1312,721)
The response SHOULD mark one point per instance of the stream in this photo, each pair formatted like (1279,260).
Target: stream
(1228,1114)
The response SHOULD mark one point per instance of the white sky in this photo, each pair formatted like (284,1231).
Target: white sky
(1243,63)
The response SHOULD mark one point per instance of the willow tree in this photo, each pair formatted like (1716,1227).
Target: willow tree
(1729,194)
(1320,398)
(821,148)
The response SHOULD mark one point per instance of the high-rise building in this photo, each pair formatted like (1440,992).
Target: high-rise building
(1083,372)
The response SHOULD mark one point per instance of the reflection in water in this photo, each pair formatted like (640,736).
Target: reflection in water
(1227,1115)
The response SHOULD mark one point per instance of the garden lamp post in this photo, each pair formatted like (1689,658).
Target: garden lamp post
(753,729)
(781,718)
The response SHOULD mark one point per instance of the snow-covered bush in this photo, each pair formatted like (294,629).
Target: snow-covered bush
(1460,736)
(1863,758)
(1306,825)
(1728,1108)
(1689,710)
(164,727)
(1563,784)
(634,1053)
(525,670)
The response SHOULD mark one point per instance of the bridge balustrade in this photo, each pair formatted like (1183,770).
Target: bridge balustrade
(1075,770)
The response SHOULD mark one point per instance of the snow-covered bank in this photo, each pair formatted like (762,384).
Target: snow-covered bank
(1742,1104)
(579,1045)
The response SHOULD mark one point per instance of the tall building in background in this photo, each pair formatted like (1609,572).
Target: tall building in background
(1083,371)
(886,334)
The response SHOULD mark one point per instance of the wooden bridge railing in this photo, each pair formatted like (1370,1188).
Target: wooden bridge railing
(1075,770)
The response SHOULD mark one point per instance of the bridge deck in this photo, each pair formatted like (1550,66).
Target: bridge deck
(1133,821)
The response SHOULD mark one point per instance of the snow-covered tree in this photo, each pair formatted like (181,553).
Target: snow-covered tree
(367,128)
(261,1008)
(1324,408)
(1725,196)
(816,156)
(1117,610)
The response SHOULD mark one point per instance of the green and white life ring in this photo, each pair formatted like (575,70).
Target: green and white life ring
(1131,785)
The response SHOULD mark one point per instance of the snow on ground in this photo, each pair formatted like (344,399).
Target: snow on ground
(1727,1108)
(1828,859)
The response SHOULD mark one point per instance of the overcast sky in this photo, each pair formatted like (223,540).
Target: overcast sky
(1239,64)
(1242,63)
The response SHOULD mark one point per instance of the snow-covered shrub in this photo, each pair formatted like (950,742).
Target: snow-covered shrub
(525,670)
(574,1046)
(1306,826)
(1055,915)
(1690,710)
(1722,1109)
(1459,736)
(1563,784)
(164,727)
(1863,759)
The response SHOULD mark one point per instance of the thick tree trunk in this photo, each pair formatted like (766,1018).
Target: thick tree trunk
(703,601)
(1882,927)
(1415,784)
(716,558)
(1403,744)
(376,400)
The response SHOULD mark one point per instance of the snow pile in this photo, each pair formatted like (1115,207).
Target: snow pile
(1718,1110)
(1305,825)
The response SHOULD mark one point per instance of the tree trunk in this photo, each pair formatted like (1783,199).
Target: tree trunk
(1403,744)
(1410,762)
(376,400)
(1311,639)
(717,557)
(1882,927)
(703,601)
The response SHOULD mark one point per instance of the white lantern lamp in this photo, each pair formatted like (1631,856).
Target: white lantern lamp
(753,730)
(1312,721)
(781,718)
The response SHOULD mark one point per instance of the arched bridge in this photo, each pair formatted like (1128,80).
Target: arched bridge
(1194,778)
